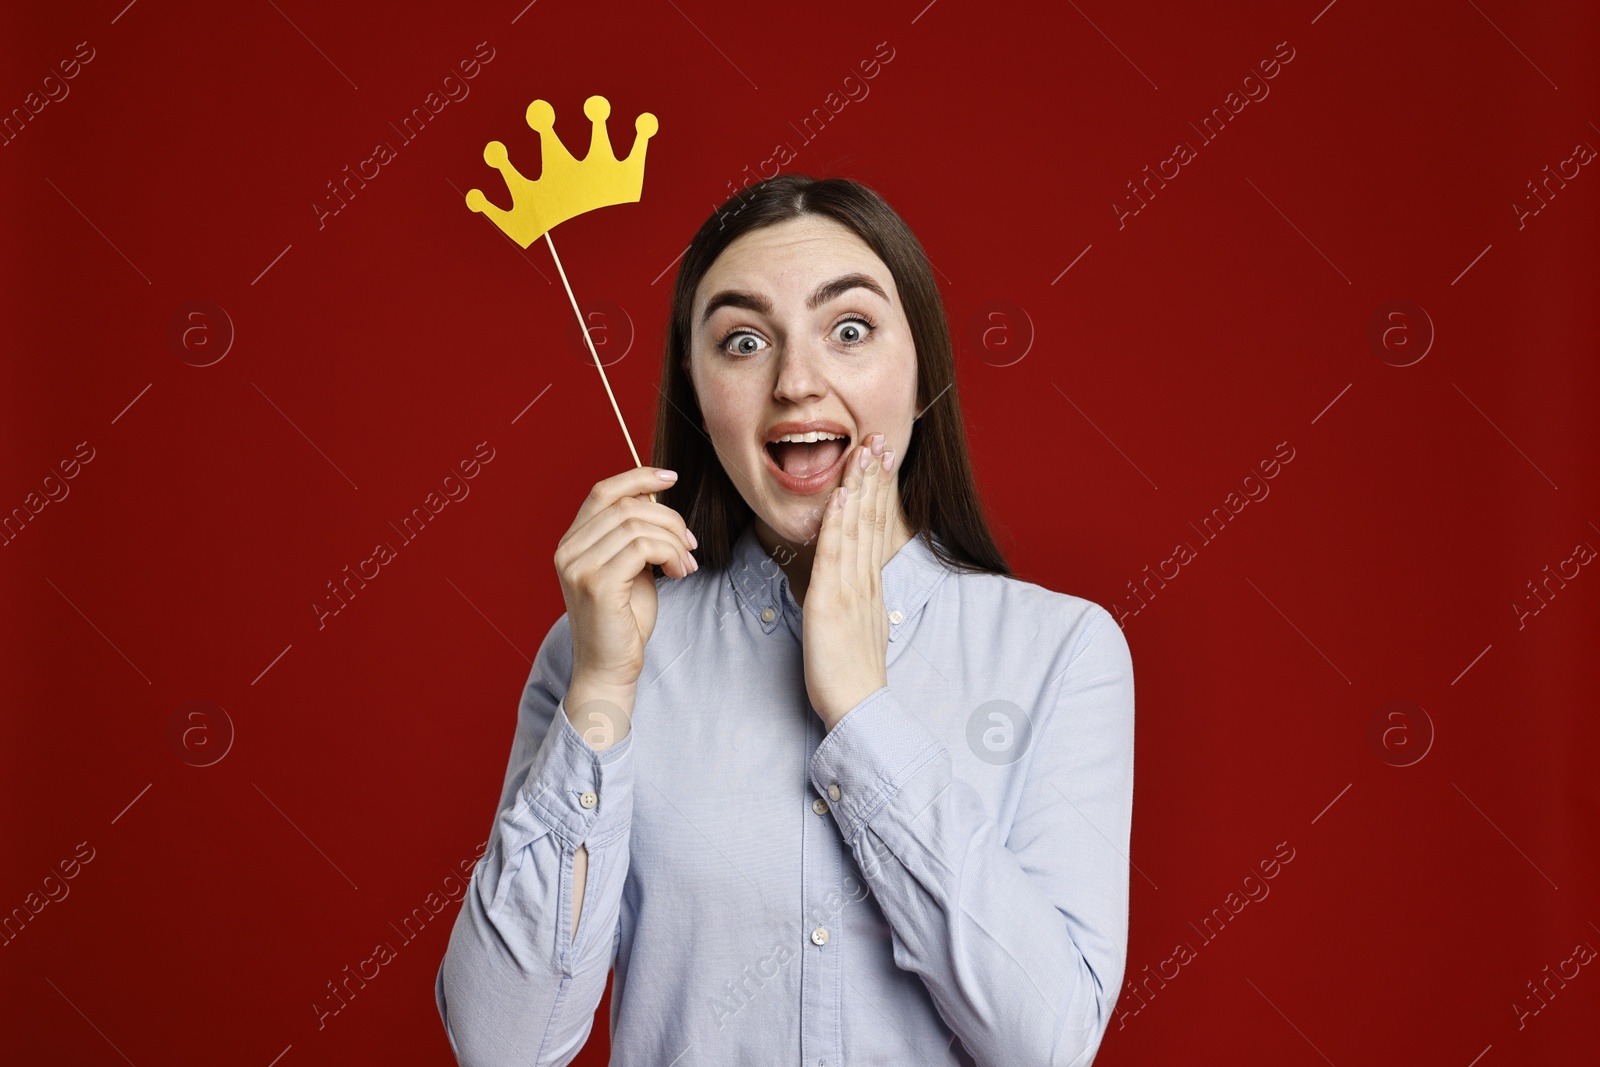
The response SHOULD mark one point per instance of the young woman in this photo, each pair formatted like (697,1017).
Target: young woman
(841,790)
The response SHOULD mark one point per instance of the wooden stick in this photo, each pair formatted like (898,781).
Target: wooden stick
(583,328)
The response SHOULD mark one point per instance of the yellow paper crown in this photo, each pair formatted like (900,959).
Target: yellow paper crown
(566,187)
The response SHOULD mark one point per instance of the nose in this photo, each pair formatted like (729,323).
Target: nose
(801,374)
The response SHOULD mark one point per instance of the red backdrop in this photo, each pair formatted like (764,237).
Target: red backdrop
(1366,274)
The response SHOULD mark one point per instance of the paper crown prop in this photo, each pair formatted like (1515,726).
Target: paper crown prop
(566,188)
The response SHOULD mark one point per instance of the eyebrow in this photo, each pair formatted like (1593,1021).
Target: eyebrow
(740,298)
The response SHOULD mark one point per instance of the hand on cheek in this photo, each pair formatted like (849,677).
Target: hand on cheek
(846,627)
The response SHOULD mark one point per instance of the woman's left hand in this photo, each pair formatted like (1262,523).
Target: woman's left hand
(845,625)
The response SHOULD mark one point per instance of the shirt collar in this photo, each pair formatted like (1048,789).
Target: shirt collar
(909,579)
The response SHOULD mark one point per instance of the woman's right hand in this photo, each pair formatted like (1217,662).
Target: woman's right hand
(604,563)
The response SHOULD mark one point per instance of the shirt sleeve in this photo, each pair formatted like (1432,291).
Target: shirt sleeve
(514,986)
(1021,943)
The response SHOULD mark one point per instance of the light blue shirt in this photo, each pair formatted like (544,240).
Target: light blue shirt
(941,879)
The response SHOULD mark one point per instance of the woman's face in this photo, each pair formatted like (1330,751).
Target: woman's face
(804,326)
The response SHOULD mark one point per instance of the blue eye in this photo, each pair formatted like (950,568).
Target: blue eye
(853,330)
(748,344)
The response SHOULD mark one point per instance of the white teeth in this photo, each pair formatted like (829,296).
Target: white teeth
(815,435)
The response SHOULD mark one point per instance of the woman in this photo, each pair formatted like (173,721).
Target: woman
(891,827)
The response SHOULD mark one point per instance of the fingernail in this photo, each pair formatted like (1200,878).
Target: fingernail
(843,492)
(866,456)
(667,476)
(692,542)
(694,564)
(878,441)
(888,460)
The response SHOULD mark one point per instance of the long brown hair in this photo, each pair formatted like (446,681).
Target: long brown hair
(938,494)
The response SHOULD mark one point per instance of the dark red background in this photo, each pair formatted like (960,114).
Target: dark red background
(1230,315)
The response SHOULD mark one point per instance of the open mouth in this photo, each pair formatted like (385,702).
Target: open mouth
(805,467)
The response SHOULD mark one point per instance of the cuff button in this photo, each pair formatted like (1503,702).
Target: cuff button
(588,799)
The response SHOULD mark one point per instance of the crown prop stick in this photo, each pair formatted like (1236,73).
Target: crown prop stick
(567,188)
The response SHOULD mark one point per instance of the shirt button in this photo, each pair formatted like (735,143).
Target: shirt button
(833,792)
(896,618)
(588,799)
(819,936)
(819,806)
(767,614)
